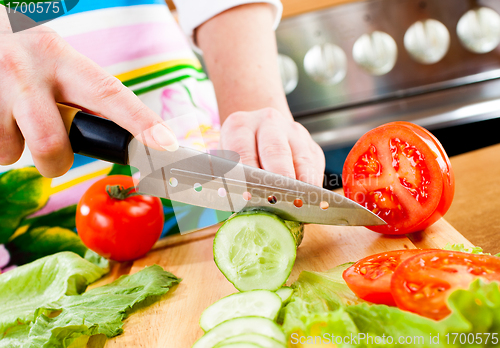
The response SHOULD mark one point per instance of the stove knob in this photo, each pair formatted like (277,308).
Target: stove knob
(289,73)
(479,30)
(326,63)
(427,42)
(376,52)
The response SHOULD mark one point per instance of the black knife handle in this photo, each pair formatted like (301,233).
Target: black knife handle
(96,137)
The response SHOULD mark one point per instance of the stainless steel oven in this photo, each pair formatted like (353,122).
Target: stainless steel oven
(436,63)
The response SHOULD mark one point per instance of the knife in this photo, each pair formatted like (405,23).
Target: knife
(216,182)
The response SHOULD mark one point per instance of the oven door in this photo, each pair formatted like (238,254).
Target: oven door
(352,67)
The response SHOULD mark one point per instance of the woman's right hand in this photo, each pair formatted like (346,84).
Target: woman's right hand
(38,68)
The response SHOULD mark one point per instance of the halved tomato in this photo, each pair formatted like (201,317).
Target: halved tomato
(370,278)
(400,172)
(422,283)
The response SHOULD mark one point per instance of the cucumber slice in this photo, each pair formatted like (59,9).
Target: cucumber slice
(285,293)
(297,231)
(261,303)
(261,341)
(240,345)
(256,250)
(239,326)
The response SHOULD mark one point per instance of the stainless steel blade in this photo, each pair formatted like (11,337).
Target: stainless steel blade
(201,179)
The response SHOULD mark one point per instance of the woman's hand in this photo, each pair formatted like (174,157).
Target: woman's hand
(39,68)
(269,140)
(239,48)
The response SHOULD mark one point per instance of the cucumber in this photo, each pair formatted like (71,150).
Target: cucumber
(239,326)
(285,293)
(261,341)
(261,303)
(257,250)
(297,231)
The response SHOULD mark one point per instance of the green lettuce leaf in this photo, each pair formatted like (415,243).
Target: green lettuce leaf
(462,248)
(24,191)
(100,310)
(322,310)
(64,218)
(16,337)
(120,169)
(42,241)
(96,259)
(41,282)
(478,307)
(48,234)
(367,326)
(317,293)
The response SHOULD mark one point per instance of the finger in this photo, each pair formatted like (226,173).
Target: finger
(238,134)
(275,153)
(308,158)
(42,127)
(11,140)
(85,83)
(319,164)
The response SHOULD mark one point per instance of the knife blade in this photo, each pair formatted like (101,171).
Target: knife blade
(215,182)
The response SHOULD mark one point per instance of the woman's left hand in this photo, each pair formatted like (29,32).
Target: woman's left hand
(269,140)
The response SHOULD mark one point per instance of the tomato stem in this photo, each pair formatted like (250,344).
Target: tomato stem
(119,192)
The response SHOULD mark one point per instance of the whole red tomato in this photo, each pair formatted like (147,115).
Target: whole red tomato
(400,172)
(117,223)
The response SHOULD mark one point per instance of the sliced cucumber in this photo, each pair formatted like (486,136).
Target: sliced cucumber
(261,303)
(261,341)
(285,293)
(297,231)
(239,326)
(256,250)
(240,345)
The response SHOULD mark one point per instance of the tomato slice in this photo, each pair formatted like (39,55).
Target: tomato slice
(370,278)
(400,172)
(422,283)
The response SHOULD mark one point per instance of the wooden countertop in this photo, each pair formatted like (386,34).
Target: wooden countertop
(172,322)
(475,211)
(296,7)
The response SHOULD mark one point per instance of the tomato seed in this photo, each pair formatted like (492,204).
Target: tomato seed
(413,287)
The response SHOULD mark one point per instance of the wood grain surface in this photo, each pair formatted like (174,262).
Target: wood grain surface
(173,321)
(475,210)
(296,7)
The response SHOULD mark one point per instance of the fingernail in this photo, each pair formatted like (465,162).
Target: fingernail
(165,138)
(172,147)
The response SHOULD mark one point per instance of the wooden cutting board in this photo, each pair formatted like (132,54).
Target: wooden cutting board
(173,321)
